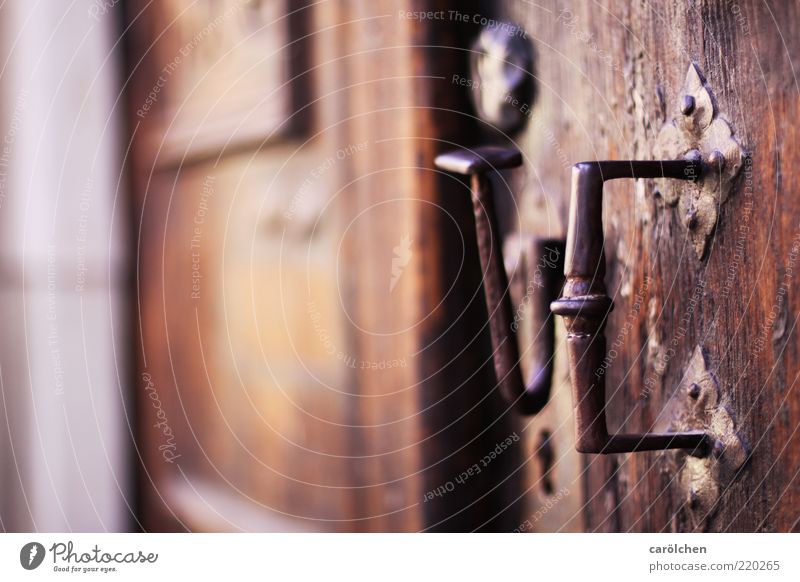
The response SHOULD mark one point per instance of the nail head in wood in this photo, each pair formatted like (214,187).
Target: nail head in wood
(687,105)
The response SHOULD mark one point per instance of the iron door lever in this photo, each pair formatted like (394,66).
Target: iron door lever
(585,305)
(527,398)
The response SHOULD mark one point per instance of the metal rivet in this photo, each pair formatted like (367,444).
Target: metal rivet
(694,499)
(691,222)
(694,391)
(716,160)
(693,156)
(687,105)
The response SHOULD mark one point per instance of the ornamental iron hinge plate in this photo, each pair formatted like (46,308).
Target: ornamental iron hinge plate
(701,480)
(698,132)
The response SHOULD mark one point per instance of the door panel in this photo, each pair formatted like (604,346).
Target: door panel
(257,433)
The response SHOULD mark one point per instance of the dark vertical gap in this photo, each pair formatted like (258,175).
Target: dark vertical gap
(299,55)
(129,56)
(612,490)
(464,416)
(150,512)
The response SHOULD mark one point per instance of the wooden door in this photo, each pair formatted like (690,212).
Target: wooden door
(608,78)
(313,353)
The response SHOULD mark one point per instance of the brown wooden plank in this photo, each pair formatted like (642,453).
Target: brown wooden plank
(601,71)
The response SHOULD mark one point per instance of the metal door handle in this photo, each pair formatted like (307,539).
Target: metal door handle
(585,305)
(528,398)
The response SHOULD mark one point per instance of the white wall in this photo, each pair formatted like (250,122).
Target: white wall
(65,452)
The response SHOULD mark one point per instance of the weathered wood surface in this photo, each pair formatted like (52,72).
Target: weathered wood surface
(608,78)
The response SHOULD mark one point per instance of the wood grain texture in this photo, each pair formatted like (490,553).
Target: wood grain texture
(446,413)
(608,78)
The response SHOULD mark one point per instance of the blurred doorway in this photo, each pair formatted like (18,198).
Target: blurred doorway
(312,351)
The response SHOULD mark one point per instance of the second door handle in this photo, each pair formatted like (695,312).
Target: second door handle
(531,396)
